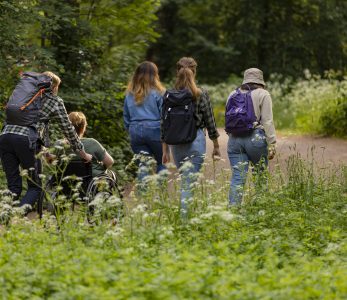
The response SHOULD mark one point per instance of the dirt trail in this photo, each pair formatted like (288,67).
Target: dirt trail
(324,150)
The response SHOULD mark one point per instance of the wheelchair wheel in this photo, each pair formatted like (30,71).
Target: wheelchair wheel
(104,199)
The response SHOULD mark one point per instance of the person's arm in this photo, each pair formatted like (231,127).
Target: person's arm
(159,99)
(166,153)
(216,151)
(210,123)
(266,120)
(126,115)
(100,154)
(165,147)
(108,160)
(68,130)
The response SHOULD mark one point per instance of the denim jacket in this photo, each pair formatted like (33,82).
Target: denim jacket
(149,110)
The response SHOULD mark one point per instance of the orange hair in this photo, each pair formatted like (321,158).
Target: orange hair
(79,121)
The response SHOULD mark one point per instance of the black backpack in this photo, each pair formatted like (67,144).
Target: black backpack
(178,120)
(25,103)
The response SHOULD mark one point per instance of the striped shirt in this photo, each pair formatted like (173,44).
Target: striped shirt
(52,108)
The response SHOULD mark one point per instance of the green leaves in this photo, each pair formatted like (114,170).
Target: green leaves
(284,243)
(227,37)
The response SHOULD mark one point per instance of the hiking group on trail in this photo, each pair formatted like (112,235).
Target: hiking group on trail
(161,124)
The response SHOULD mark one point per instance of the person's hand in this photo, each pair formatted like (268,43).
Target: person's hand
(86,156)
(272,151)
(166,157)
(216,153)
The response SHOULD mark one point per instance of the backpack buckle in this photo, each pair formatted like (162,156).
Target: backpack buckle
(186,107)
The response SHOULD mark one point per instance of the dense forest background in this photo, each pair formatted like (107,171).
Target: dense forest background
(226,37)
(94,45)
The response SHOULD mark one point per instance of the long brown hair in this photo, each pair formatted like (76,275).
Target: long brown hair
(145,78)
(185,78)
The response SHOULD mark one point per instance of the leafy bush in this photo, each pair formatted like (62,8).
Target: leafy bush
(334,118)
(312,105)
(318,104)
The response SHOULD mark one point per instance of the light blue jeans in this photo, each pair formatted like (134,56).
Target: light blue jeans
(194,153)
(242,151)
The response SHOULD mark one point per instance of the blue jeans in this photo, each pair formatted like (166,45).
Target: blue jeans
(194,153)
(145,138)
(14,152)
(242,151)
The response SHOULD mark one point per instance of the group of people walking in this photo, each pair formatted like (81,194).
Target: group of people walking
(161,123)
(145,113)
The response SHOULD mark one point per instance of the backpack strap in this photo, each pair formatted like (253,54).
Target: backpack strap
(40,92)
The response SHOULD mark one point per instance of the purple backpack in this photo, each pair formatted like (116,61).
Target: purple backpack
(239,114)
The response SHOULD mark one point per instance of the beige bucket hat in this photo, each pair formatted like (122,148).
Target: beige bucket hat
(253,75)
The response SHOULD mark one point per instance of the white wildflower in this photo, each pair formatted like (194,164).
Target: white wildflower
(196,221)
(331,247)
(226,216)
(141,208)
(42,176)
(24,173)
(187,166)
(207,216)
(164,173)
(261,212)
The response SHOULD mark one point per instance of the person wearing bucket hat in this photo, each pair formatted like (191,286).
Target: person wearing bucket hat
(253,75)
(252,137)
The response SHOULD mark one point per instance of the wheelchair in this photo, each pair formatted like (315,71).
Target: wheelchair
(76,176)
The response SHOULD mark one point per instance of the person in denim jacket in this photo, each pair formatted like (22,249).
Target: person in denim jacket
(142,112)
(256,147)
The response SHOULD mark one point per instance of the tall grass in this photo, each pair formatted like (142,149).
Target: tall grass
(287,242)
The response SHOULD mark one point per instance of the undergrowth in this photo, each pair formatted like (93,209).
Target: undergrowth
(288,242)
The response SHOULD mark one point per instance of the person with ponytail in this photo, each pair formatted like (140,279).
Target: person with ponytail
(142,111)
(193,152)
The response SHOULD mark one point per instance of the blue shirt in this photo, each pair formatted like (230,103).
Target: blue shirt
(149,110)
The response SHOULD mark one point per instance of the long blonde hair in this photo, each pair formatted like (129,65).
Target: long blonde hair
(79,121)
(185,78)
(145,78)
(55,81)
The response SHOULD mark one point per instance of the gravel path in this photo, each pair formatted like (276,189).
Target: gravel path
(324,150)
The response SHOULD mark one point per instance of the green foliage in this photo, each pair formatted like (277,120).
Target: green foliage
(312,105)
(286,243)
(227,37)
(318,104)
(277,85)
(92,45)
(334,118)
